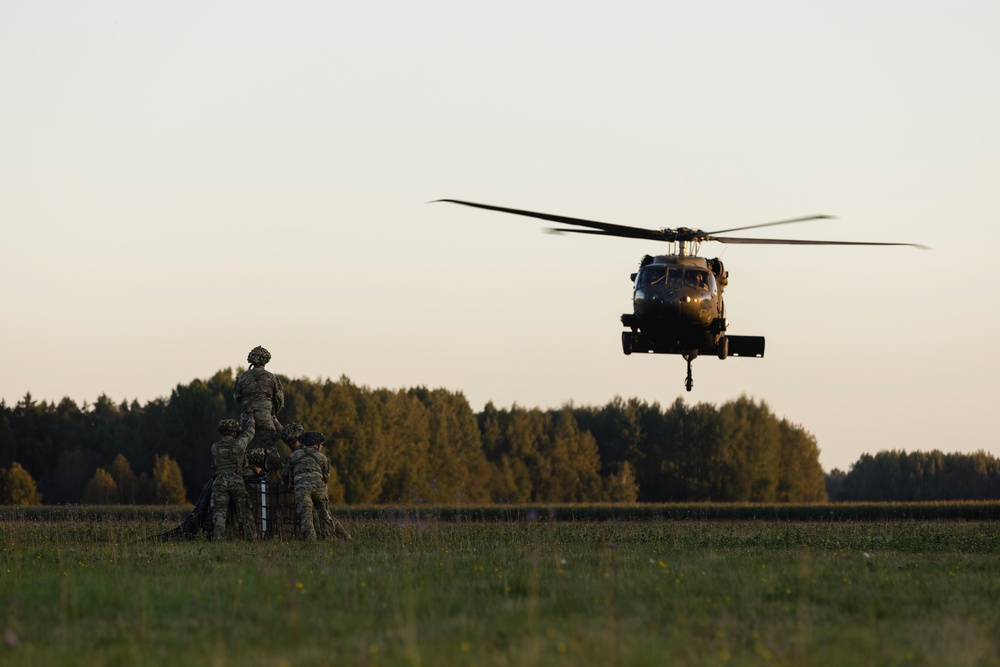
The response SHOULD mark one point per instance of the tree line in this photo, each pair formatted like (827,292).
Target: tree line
(417,445)
(898,476)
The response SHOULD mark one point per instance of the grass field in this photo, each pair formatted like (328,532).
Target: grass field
(422,591)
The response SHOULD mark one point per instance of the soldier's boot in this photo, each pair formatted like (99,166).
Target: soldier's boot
(340,531)
(308,530)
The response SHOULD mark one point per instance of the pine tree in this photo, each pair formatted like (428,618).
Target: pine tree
(70,477)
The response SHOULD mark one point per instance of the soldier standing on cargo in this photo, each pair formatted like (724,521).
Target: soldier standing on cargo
(227,465)
(307,471)
(259,391)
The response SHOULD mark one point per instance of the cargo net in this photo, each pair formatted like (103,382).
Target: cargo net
(271,514)
(272,509)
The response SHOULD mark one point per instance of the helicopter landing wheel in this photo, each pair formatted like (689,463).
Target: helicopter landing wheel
(689,382)
(628,338)
(723,347)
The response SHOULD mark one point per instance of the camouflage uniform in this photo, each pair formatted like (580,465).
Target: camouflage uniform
(228,485)
(307,472)
(260,390)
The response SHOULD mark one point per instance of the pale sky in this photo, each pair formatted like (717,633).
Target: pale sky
(182,181)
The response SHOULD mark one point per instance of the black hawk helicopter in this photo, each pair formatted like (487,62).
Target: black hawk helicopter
(677,305)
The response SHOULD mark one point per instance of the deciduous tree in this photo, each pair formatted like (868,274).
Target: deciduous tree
(17,487)
(169,481)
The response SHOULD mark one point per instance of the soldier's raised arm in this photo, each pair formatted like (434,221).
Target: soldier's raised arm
(246,435)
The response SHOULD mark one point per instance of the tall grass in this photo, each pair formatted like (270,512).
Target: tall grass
(416,590)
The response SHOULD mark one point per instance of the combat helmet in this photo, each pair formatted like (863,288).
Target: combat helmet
(259,356)
(257,457)
(290,432)
(310,438)
(228,426)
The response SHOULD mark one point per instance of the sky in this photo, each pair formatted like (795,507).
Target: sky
(180,182)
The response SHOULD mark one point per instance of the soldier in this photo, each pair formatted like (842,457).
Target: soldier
(227,485)
(307,472)
(254,467)
(259,390)
(290,433)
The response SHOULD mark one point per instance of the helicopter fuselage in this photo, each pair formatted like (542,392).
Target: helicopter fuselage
(678,308)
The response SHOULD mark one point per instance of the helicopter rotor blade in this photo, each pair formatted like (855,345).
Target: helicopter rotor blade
(558,230)
(671,235)
(607,228)
(772,224)
(732,239)
(647,234)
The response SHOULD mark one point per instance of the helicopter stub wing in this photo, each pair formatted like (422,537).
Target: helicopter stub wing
(746,346)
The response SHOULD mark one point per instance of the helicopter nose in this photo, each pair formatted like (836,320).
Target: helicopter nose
(692,305)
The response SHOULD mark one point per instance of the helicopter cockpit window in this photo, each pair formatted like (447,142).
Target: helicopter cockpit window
(674,277)
(651,275)
(699,279)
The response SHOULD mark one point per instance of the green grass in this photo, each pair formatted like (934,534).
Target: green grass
(411,591)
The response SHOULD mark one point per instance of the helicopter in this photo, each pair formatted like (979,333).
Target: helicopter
(677,304)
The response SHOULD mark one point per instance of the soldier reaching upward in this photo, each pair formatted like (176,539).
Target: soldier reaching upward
(259,391)
(228,486)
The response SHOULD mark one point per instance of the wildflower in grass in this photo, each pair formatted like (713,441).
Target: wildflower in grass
(466,647)
(762,651)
